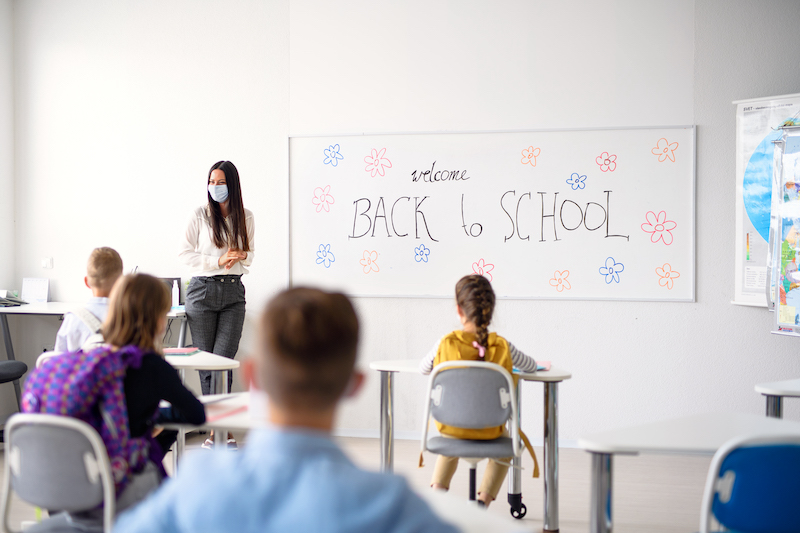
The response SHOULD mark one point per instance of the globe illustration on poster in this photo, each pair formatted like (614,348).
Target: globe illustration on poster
(757,185)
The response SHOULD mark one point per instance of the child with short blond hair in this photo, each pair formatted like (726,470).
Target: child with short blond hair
(102,271)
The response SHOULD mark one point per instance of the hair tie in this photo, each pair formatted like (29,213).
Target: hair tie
(481,349)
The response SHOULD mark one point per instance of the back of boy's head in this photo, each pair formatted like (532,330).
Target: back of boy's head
(103,268)
(310,338)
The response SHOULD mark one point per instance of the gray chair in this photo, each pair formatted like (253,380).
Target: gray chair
(471,395)
(56,462)
(11,371)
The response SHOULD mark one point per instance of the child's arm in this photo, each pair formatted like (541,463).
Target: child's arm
(426,365)
(524,363)
(185,407)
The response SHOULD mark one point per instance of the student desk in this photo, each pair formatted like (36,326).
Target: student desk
(697,434)
(549,378)
(59,309)
(774,393)
(217,364)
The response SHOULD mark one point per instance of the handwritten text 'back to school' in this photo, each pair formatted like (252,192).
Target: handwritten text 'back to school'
(557,214)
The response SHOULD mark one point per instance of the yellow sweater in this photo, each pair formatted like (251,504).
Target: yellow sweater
(457,346)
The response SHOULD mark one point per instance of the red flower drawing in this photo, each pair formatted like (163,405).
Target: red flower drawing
(482,268)
(659,228)
(369,261)
(376,163)
(608,163)
(560,281)
(667,276)
(665,150)
(529,156)
(322,198)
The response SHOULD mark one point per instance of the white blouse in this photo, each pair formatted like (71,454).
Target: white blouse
(198,249)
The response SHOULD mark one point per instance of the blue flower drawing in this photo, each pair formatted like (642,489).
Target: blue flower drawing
(576,181)
(324,255)
(611,270)
(332,155)
(421,253)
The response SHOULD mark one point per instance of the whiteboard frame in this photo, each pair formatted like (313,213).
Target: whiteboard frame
(691,127)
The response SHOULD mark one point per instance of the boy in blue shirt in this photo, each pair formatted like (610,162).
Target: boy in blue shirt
(102,271)
(290,476)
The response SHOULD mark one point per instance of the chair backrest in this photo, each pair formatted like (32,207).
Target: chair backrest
(471,395)
(753,485)
(57,462)
(471,398)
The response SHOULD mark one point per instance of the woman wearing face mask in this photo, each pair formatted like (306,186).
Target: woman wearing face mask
(219,246)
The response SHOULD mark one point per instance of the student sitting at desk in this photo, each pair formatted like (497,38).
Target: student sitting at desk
(82,325)
(291,476)
(117,389)
(475,305)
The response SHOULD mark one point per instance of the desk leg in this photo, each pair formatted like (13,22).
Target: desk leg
(774,406)
(180,443)
(600,513)
(10,353)
(551,456)
(518,509)
(220,435)
(182,332)
(387,422)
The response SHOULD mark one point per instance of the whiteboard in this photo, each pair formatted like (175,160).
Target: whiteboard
(576,214)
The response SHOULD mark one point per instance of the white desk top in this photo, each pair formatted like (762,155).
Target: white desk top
(202,361)
(698,434)
(60,308)
(468,517)
(790,387)
(412,366)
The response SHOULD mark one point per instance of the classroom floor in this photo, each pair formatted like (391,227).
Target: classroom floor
(653,493)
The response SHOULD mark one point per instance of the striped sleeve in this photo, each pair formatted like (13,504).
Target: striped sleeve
(426,365)
(522,362)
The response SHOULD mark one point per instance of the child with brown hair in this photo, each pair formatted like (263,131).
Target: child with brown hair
(117,389)
(81,325)
(291,476)
(475,302)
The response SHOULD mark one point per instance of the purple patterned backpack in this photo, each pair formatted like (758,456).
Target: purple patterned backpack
(89,386)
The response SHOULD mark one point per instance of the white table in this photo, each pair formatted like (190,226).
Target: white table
(217,364)
(774,393)
(699,434)
(59,309)
(550,379)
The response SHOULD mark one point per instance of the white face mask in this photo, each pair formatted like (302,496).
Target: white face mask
(218,192)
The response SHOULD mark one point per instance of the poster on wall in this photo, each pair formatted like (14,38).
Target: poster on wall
(757,126)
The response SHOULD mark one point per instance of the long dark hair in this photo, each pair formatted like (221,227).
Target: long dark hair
(475,297)
(236,235)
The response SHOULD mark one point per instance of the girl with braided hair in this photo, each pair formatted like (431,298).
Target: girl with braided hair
(475,302)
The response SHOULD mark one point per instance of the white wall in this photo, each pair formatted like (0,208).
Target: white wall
(121,107)
(7,145)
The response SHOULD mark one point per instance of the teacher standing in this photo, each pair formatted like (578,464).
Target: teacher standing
(219,246)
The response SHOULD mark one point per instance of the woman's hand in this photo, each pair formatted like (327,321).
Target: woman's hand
(231,257)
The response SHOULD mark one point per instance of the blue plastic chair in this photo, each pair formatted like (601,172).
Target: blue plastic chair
(753,486)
